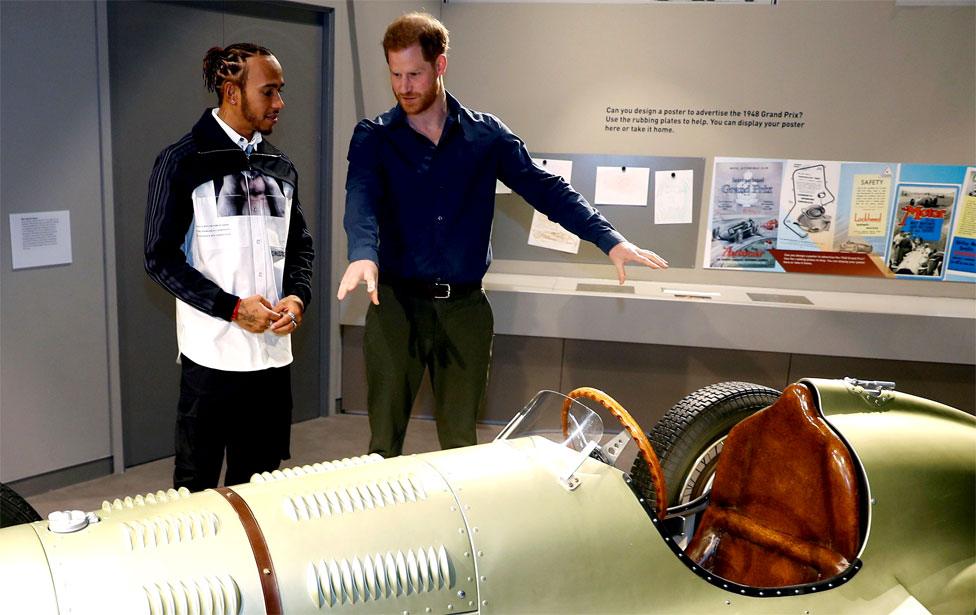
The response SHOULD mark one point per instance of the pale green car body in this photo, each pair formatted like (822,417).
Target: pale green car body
(490,529)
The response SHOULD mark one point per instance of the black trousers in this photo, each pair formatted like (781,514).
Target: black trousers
(246,414)
(407,334)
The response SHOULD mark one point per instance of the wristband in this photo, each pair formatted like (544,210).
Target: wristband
(233,315)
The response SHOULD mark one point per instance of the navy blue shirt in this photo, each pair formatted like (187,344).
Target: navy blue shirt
(423,212)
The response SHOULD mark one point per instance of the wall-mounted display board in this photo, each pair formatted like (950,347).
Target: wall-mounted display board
(655,201)
(882,219)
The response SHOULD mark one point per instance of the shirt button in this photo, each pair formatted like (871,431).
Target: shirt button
(258,242)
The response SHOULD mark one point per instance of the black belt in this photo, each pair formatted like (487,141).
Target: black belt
(434,290)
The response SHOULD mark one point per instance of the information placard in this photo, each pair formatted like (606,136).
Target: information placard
(40,239)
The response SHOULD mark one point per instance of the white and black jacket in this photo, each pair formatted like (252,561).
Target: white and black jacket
(222,226)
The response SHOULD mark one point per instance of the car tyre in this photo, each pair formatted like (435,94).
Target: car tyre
(14,509)
(688,437)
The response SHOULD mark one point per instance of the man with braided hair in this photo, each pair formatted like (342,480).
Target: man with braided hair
(225,234)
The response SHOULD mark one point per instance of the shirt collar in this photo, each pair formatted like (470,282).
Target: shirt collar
(238,140)
(453,111)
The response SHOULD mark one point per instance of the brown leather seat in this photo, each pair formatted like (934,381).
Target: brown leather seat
(784,507)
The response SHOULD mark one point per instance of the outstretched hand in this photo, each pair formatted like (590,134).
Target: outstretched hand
(359,271)
(626,252)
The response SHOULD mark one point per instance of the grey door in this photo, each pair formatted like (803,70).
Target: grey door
(157,94)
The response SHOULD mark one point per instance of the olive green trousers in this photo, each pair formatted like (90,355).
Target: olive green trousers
(407,334)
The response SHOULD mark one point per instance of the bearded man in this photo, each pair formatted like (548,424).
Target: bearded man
(419,205)
(226,236)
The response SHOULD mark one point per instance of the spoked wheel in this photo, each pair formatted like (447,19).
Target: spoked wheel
(689,437)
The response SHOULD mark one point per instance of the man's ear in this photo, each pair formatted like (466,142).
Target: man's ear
(232,93)
(440,65)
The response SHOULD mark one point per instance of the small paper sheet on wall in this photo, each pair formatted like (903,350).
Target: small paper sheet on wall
(673,197)
(622,186)
(40,239)
(544,233)
(562,168)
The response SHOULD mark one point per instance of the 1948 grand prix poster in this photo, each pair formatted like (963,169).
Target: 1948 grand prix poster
(843,218)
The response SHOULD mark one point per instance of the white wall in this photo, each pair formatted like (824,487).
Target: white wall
(54,357)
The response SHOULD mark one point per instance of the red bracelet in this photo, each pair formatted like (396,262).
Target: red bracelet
(233,316)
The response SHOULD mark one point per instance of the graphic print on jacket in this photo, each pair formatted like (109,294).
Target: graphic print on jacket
(250,193)
(237,239)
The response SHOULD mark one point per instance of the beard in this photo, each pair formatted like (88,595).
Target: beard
(421,101)
(259,122)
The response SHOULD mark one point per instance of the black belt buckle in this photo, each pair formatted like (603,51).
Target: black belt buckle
(441,290)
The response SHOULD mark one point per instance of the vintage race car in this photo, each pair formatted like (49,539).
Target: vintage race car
(834,496)
(922,260)
(856,246)
(736,231)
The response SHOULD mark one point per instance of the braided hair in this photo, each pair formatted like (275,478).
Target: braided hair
(229,64)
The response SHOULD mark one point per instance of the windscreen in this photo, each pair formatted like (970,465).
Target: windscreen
(558,418)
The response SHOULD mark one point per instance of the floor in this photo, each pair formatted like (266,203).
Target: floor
(322,439)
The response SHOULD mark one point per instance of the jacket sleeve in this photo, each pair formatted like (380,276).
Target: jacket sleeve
(169,212)
(551,195)
(299,254)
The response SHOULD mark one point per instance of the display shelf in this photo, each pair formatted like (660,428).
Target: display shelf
(844,324)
